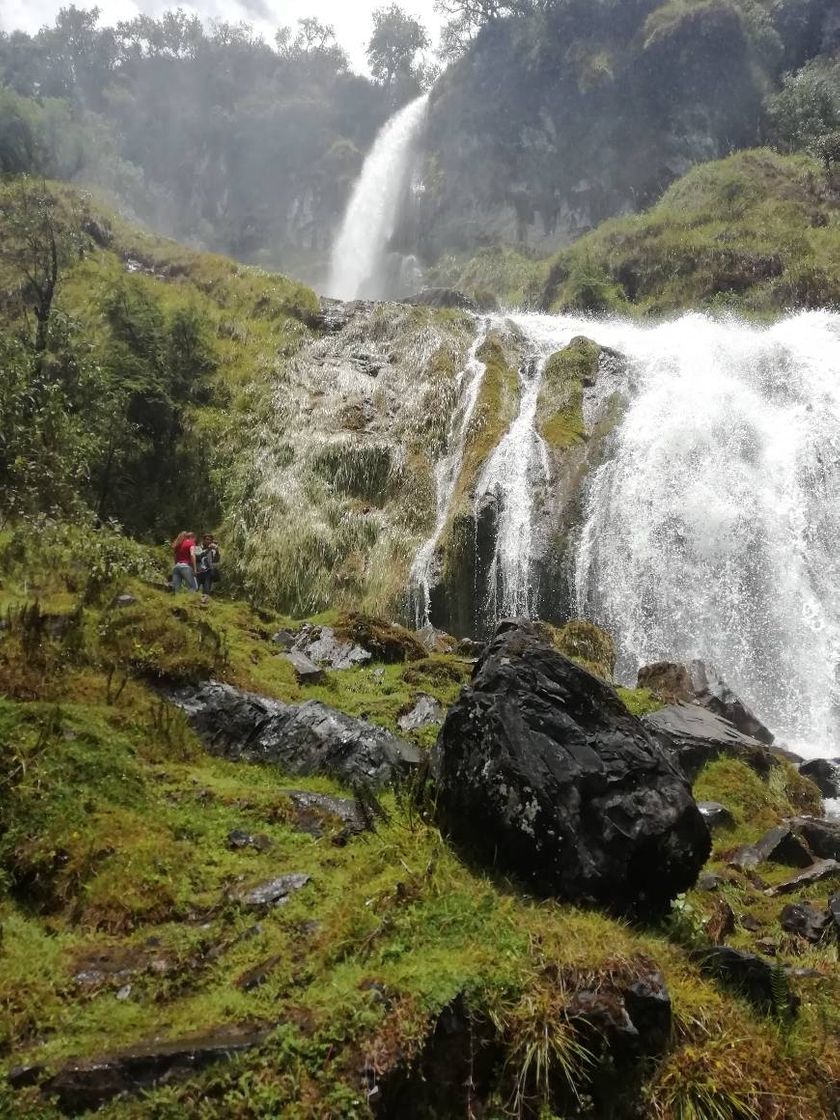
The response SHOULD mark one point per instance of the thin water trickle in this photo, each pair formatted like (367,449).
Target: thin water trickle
(359,267)
(424,569)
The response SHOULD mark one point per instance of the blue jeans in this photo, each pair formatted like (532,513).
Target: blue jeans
(183,576)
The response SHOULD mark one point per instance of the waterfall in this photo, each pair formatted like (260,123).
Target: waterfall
(424,570)
(714,529)
(518,463)
(360,253)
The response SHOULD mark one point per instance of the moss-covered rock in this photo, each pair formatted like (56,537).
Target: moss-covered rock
(559,418)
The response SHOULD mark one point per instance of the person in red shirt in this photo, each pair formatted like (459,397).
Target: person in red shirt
(183,574)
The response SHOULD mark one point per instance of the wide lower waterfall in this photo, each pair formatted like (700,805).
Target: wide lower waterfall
(712,527)
(359,267)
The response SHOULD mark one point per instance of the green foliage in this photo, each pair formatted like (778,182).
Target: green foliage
(807,109)
(756,231)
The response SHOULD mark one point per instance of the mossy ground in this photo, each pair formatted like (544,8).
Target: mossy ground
(559,418)
(757,232)
(117,880)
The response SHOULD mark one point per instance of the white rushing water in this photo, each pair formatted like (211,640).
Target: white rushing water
(424,569)
(360,253)
(714,529)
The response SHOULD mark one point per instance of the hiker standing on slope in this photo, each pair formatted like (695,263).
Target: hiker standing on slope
(209,559)
(184,572)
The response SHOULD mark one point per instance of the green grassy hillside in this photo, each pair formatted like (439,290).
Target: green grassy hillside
(118,885)
(758,232)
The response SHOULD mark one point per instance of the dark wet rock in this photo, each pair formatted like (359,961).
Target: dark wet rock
(715,815)
(239,838)
(697,682)
(469,647)
(542,772)
(255,977)
(305,738)
(442,297)
(275,892)
(806,920)
(749,923)
(825,774)
(306,671)
(821,836)
(648,1004)
(784,754)
(747,974)
(834,910)
(316,813)
(696,736)
(333,315)
(779,845)
(21,1077)
(320,645)
(709,881)
(285,639)
(426,711)
(123,601)
(818,872)
(83,1085)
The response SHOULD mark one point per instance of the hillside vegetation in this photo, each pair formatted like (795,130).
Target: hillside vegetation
(118,888)
(758,231)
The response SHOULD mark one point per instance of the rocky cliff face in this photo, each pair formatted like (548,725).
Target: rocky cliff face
(556,120)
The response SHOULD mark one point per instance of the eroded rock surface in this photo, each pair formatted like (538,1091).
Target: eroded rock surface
(308,738)
(697,682)
(696,736)
(542,772)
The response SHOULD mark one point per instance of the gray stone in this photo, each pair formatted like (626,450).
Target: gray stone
(426,711)
(123,601)
(822,836)
(709,881)
(779,845)
(715,815)
(699,683)
(238,838)
(834,909)
(806,920)
(696,736)
(320,644)
(306,671)
(284,638)
(816,873)
(315,812)
(275,892)
(825,774)
(308,738)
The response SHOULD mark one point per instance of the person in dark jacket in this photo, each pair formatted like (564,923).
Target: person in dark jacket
(208,562)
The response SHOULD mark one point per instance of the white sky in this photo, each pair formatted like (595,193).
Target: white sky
(351,18)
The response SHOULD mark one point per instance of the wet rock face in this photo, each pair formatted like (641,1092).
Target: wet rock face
(696,682)
(825,774)
(542,772)
(696,736)
(305,738)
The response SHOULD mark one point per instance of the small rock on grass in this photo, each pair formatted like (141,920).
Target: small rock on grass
(822,869)
(275,892)
(239,838)
(716,815)
(805,919)
(779,845)
(426,711)
(749,975)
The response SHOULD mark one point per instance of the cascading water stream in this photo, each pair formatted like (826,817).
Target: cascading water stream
(423,570)
(714,529)
(509,479)
(359,257)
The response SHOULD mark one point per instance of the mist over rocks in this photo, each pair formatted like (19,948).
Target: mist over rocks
(542,773)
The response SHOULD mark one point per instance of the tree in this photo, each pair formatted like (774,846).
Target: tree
(39,238)
(393,47)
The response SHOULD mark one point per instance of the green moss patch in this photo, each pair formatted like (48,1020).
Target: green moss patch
(560,401)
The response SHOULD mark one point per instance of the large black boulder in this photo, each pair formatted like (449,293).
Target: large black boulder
(308,738)
(543,773)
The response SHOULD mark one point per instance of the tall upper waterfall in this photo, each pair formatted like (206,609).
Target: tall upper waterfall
(359,267)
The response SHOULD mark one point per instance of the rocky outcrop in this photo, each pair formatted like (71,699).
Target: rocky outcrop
(822,836)
(779,845)
(542,772)
(806,920)
(449,298)
(696,736)
(825,774)
(82,1085)
(696,682)
(751,976)
(305,738)
(426,711)
(716,815)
